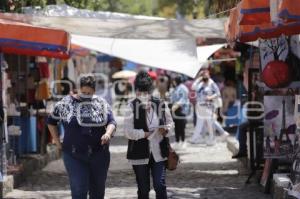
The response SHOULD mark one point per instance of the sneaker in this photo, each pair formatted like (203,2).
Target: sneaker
(210,142)
(183,145)
(176,145)
(198,141)
(224,136)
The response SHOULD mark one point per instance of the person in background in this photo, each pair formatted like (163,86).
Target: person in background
(180,109)
(89,125)
(192,98)
(124,89)
(147,124)
(162,87)
(229,95)
(68,87)
(208,95)
(103,89)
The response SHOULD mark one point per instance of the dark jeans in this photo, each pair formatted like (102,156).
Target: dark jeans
(88,176)
(242,137)
(180,123)
(142,173)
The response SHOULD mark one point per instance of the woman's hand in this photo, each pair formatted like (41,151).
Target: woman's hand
(163,131)
(147,134)
(105,139)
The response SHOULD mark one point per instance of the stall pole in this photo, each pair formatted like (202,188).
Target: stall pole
(2,131)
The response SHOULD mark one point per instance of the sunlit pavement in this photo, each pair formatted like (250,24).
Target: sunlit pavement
(204,172)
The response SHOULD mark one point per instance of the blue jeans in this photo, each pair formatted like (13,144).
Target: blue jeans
(142,173)
(87,176)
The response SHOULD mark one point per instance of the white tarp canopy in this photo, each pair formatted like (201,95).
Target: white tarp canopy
(162,43)
(204,52)
(117,25)
(178,55)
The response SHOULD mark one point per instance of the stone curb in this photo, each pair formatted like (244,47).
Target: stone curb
(30,164)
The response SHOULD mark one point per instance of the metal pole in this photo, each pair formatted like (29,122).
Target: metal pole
(1,135)
(2,151)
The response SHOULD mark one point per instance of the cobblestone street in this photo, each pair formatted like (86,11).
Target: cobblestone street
(204,172)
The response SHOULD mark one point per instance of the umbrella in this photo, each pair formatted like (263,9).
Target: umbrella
(253,12)
(25,39)
(289,10)
(124,74)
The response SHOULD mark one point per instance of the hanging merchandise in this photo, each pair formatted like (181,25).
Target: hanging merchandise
(44,70)
(273,53)
(43,66)
(279,61)
(43,90)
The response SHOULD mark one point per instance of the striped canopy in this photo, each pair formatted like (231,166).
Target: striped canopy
(21,38)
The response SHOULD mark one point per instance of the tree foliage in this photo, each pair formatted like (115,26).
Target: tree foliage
(164,8)
(219,6)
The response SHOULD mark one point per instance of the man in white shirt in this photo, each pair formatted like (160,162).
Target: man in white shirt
(208,99)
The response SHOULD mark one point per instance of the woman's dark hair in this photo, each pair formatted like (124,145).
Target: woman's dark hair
(143,82)
(178,79)
(88,81)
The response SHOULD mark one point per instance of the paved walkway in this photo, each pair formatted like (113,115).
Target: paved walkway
(204,172)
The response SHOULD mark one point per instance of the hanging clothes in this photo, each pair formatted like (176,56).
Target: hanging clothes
(44,70)
(43,91)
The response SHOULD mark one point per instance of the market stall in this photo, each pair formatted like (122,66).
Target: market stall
(273,87)
(25,84)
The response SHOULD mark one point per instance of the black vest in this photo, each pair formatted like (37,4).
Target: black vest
(139,149)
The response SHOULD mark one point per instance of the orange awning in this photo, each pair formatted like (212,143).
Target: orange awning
(289,10)
(79,51)
(267,31)
(25,39)
(253,12)
(247,33)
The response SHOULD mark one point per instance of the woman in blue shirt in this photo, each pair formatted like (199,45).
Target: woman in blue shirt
(89,125)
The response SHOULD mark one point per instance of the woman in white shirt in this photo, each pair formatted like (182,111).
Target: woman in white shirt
(147,123)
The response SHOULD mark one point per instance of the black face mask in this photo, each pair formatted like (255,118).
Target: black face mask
(205,79)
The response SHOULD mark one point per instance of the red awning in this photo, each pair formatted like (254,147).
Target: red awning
(253,12)
(25,39)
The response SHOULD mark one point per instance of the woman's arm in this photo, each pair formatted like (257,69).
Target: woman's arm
(169,124)
(216,91)
(196,83)
(110,129)
(54,133)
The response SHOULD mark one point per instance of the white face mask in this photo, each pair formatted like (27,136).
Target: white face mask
(144,98)
(84,97)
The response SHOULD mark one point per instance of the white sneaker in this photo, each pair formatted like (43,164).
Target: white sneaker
(224,136)
(197,141)
(211,142)
(175,145)
(183,145)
